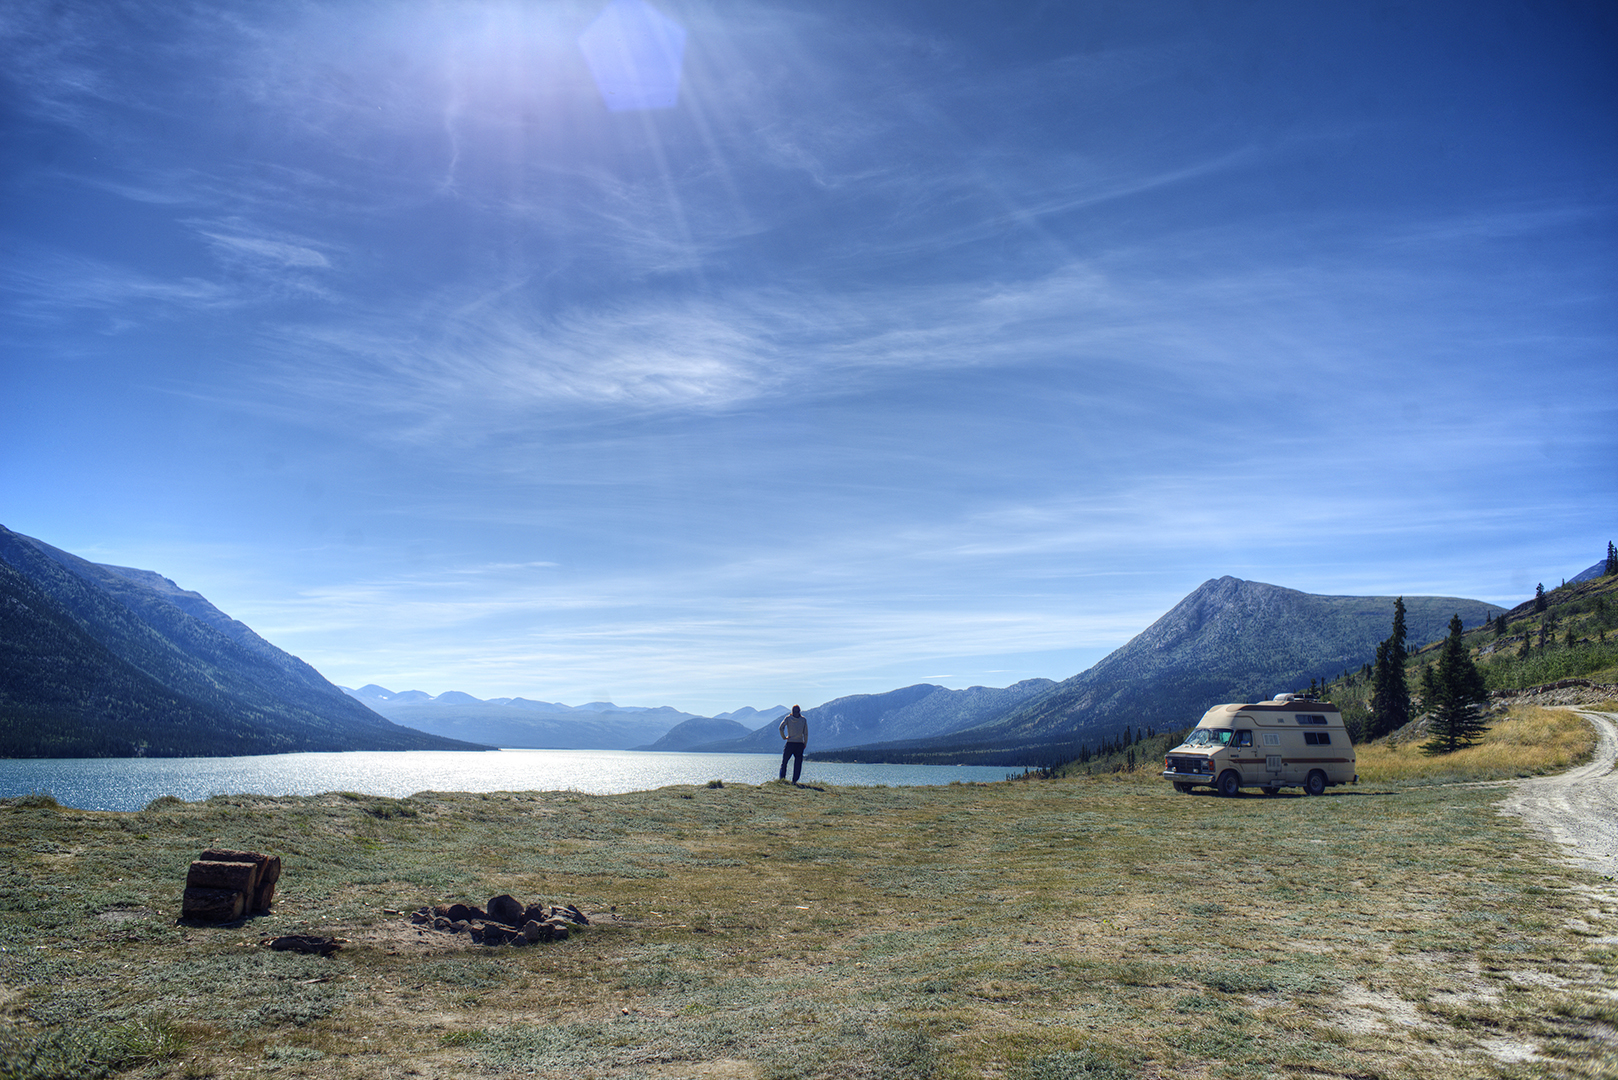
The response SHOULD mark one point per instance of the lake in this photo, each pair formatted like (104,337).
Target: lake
(132,783)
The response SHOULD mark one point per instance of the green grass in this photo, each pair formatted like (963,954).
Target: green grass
(1082,927)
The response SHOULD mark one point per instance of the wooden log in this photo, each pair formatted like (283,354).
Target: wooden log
(213,905)
(269,872)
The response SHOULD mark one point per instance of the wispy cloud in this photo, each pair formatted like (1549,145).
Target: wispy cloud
(276,253)
(55,287)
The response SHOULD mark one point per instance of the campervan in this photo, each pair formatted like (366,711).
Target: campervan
(1292,741)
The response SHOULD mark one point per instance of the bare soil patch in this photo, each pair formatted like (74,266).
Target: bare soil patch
(1578,808)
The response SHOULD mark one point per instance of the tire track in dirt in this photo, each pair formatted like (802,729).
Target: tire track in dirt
(1578,808)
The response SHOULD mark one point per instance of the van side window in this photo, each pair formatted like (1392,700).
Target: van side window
(1243,738)
(1309,719)
(1317,738)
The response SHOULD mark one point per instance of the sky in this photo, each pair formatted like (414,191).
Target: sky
(723,354)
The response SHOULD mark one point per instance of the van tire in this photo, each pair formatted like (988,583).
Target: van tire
(1315,784)
(1230,784)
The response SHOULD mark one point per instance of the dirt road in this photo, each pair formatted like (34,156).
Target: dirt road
(1578,808)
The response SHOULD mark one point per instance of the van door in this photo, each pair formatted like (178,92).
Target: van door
(1244,755)
(1274,760)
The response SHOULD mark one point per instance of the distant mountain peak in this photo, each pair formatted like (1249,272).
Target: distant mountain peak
(1227,640)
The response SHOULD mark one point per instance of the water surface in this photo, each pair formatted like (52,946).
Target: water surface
(132,783)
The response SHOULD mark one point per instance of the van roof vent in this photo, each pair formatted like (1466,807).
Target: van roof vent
(1283,697)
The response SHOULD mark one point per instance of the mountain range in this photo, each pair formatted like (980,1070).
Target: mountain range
(519,723)
(919,712)
(110,661)
(1229,640)
(100,660)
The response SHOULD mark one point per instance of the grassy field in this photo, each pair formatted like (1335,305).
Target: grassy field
(1081,927)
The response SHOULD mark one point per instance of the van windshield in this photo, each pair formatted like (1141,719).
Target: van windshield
(1207,736)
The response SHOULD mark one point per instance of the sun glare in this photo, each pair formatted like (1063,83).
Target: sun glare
(635,54)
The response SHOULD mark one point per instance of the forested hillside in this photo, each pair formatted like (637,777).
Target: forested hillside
(1567,632)
(99,661)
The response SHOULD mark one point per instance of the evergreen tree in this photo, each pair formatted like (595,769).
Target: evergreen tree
(1612,560)
(1539,598)
(1390,694)
(1458,691)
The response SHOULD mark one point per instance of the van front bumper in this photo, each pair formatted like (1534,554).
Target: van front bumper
(1189,777)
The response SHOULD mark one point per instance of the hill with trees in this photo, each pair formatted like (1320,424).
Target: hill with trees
(1567,632)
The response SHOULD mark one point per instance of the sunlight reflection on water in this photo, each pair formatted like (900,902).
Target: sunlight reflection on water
(132,783)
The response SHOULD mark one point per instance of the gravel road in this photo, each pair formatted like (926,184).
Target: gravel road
(1578,808)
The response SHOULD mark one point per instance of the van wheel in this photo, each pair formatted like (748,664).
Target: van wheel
(1183,789)
(1230,785)
(1315,784)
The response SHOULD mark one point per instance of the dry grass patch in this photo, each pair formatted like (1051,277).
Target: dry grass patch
(1526,741)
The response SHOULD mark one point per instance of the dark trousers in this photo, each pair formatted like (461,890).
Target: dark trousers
(794,753)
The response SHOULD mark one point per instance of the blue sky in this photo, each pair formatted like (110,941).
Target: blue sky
(912,342)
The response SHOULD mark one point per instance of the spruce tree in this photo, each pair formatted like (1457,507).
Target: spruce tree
(1390,694)
(1539,598)
(1458,691)
(1612,561)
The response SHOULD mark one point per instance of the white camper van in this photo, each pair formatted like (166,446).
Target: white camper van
(1291,741)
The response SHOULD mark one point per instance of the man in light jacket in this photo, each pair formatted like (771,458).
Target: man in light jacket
(794,728)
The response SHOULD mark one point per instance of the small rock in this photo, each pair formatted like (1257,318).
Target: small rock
(507,909)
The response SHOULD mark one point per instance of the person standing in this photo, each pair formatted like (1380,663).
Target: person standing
(794,728)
